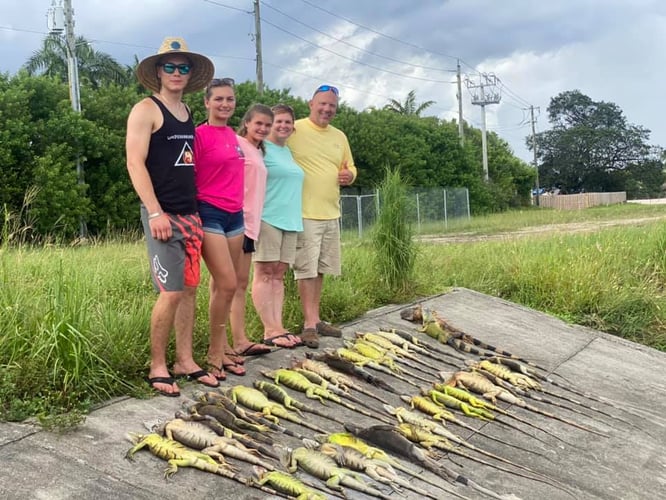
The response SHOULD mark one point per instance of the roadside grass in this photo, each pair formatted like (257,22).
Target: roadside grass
(74,321)
(514,220)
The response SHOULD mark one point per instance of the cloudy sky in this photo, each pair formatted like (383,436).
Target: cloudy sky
(376,50)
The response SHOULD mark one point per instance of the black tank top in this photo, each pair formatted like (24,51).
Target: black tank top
(170,163)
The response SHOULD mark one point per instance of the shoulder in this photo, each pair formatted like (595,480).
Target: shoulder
(146,105)
(334,130)
(144,114)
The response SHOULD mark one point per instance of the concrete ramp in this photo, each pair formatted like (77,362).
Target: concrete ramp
(625,460)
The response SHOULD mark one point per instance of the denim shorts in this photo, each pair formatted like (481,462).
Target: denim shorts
(218,221)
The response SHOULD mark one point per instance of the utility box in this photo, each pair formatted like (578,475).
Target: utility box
(55,19)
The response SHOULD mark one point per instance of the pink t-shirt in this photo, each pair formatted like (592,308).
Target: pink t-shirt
(219,167)
(255,187)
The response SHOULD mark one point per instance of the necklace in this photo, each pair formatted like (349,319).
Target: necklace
(176,108)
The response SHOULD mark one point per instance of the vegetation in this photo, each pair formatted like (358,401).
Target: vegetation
(95,68)
(74,320)
(43,138)
(395,251)
(591,147)
(409,107)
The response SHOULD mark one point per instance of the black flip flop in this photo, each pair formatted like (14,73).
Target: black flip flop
(271,341)
(162,380)
(196,377)
(256,350)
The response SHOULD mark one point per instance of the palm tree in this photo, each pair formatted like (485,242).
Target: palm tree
(95,67)
(409,107)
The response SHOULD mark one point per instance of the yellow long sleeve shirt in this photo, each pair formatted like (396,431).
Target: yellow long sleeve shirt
(321,153)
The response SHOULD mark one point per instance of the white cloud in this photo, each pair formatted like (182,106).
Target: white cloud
(609,49)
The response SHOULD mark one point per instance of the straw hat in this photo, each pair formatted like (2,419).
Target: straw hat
(200,76)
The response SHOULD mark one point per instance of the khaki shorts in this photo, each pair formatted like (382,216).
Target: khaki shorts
(318,249)
(275,245)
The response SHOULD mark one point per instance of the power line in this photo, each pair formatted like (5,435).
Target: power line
(363,91)
(228,6)
(356,46)
(22,30)
(372,30)
(352,59)
(519,99)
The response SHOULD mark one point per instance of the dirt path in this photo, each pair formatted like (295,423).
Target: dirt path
(566,228)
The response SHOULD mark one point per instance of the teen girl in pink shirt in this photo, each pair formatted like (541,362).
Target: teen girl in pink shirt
(220,176)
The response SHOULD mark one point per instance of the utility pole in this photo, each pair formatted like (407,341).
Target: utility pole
(461,132)
(57,16)
(484,93)
(257,42)
(534,148)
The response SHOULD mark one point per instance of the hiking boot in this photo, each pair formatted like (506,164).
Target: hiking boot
(327,330)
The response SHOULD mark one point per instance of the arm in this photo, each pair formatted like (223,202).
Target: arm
(142,121)
(348,172)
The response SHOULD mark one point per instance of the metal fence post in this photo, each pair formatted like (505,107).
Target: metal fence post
(359,217)
(446,214)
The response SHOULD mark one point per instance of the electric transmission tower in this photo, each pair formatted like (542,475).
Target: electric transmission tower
(484,92)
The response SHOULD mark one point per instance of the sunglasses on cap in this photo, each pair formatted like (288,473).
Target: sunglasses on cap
(326,88)
(170,68)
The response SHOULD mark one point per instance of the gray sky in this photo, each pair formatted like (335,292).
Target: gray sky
(376,50)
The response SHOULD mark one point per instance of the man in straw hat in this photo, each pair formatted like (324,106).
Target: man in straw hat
(160,161)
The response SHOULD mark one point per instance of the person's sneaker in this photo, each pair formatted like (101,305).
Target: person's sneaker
(327,330)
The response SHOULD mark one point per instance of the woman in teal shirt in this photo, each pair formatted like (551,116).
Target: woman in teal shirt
(281,220)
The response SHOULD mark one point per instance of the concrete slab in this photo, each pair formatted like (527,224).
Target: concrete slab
(628,462)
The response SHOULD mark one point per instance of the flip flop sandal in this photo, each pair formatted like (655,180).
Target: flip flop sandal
(196,377)
(234,368)
(255,349)
(162,380)
(271,341)
(222,376)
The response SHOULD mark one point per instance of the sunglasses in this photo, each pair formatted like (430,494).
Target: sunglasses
(326,88)
(170,68)
(222,82)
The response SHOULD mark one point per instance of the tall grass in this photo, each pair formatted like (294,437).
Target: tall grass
(395,251)
(74,321)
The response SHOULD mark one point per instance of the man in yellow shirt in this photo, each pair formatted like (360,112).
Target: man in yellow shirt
(323,152)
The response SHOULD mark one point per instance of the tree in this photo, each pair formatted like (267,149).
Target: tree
(95,68)
(592,147)
(409,107)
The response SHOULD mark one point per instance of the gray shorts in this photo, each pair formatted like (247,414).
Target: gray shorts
(318,249)
(175,263)
(275,245)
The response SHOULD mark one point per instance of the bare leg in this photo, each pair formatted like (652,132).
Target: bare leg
(309,290)
(161,321)
(277,287)
(237,318)
(263,298)
(184,326)
(268,298)
(220,255)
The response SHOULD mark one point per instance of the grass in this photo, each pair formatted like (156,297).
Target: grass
(74,320)
(394,247)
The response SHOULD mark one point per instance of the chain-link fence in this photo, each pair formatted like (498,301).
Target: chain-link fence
(431,209)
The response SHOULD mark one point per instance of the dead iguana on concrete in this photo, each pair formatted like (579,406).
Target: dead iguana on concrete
(178,455)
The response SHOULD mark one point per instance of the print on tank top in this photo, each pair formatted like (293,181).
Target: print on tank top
(186,157)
